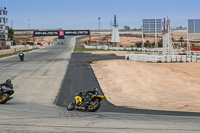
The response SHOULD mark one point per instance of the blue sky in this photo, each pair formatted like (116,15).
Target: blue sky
(83,14)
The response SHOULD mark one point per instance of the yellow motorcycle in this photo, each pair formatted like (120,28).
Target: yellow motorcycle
(91,102)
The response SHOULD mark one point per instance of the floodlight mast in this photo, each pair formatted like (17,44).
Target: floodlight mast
(188,42)
(168,48)
(142,40)
(168,27)
(164,32)
(164,27)
(156,41)
(99,24)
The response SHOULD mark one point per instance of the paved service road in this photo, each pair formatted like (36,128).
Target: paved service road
(37,81)
(80,77)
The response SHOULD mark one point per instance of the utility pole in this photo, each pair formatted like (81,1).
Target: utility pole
(29,26)
(11,24)
(111,25)
(99,24)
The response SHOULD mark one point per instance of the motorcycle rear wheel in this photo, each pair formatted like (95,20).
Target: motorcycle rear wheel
(4,98)
(71,106)
(96,105)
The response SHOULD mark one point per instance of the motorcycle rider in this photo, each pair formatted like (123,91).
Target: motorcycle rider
(7,84)
(86,96)
(21,54)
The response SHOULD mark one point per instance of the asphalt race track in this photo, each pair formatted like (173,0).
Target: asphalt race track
(53,75)
(80,77)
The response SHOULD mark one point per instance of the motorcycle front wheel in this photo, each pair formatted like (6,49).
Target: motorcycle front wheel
(94,106)
(4,98)
(71,106)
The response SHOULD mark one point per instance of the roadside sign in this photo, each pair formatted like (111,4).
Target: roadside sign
(193,25)
(152,26)
(76,32)
(45,33)
(61,33)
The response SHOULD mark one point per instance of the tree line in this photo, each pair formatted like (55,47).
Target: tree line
(149,44)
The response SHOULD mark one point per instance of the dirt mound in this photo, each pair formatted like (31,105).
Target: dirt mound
(157,86)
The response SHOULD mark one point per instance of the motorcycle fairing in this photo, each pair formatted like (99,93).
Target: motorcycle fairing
(98,97)
(78,100)
(3,97)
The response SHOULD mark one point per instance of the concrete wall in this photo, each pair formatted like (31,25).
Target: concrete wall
(162,58)
(121,48)
(25,32)
(16,49)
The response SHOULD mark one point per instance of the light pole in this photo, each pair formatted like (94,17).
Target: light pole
(29,26)
(99,24)
(11,24)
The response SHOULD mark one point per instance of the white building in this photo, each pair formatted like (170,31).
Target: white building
(115,32)
(3,23)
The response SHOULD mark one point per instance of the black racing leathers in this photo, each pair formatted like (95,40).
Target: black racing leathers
(8,85)
(86,96)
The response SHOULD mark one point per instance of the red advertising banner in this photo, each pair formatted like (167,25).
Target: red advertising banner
(195,49)
(61,33)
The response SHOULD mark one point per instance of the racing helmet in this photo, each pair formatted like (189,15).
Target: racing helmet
(8,81)
(95,89)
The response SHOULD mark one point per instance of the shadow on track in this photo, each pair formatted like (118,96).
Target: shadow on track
(80,76)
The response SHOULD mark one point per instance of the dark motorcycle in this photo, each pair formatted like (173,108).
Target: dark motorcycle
(21,56)
(5,92)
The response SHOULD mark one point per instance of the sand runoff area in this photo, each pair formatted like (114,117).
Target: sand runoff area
(156,86)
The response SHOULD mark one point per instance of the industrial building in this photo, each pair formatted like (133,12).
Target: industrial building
(3,27)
